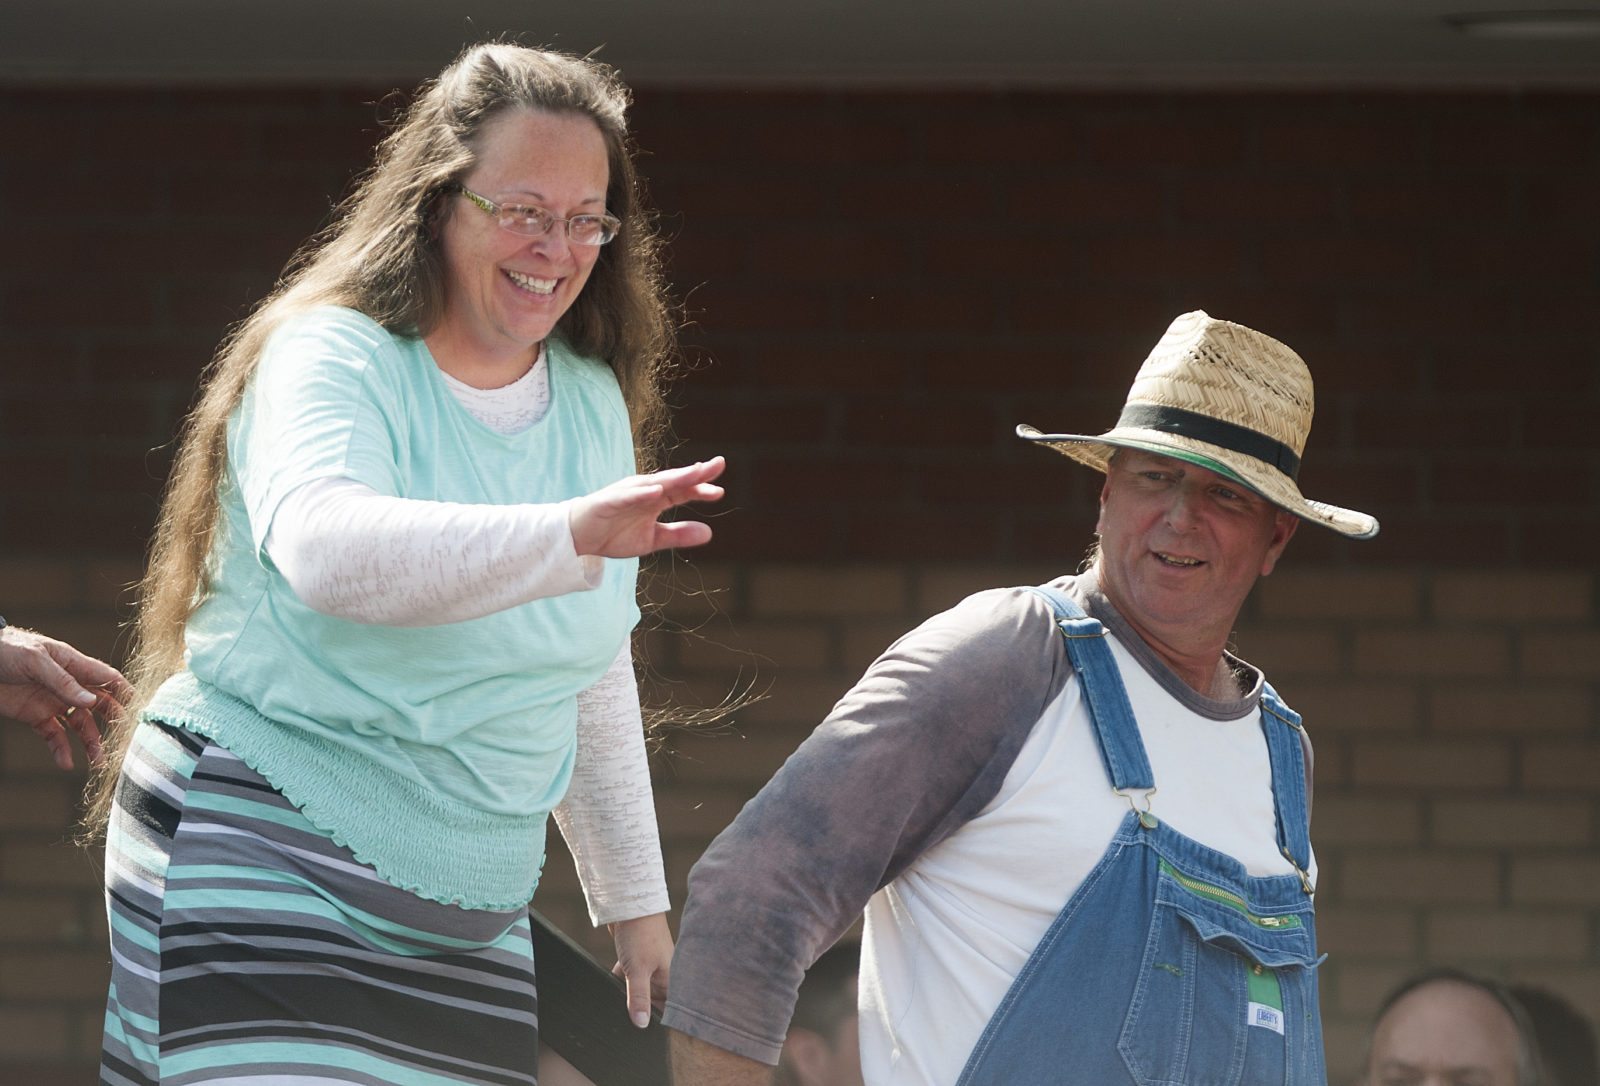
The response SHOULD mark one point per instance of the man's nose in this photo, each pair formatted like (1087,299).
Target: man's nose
(1182,514)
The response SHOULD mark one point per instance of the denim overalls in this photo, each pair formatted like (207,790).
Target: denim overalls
(1169,966)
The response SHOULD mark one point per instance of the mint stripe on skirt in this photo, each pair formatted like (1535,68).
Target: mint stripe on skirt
(248,949)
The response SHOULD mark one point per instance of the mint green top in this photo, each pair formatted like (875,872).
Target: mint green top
(434,753)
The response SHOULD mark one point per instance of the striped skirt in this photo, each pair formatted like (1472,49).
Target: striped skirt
(249,949)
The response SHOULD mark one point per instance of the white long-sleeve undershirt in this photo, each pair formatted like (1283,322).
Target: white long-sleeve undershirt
(348,551)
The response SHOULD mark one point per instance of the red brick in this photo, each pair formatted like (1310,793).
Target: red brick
(922,536)
(1564,426)
(1341,704)
(1091,312)
(969,252)
(1159,144)
(1523,483)
(33,918)
(741,755)
(42,977)
(45,861)
(1433,765)
(1571,766)
(845,478)
(1347,933)
(1416,423)
(1255,201)
(1570,654)
(1513,144)
(162,137)
(1370,370)
(880,309)
(1344,820)
(1097,388)
(1411,203)
(1561,318)
(1087,202)
(968,485)
(761,646)
(43,304)
(1509,823)
(1415,536)
(902,424)
(1519,257)
(833,255)
(1361,261)
(768,536)
(37,584)
(795,421)
(996,140)
(1568,878)
(1340,145)
(1433,653)
(912,199)
(836,369)
(1420,877)
(1285,652)
(1508,709)
(1459,316)
(1556,540)
(1561,200)
(346,138)
(31,1032)
(705,253)
(728,307)
(815,590)
(1515,596)
(1504,935)
(1362,987)
(1163,258)
(1325,594)
(725,197)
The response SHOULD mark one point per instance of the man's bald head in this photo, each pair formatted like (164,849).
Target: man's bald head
(1451,1029)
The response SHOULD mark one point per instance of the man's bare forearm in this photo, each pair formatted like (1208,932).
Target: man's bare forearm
(699,1063)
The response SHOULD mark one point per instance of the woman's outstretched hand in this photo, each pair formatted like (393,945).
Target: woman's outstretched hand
(623,519)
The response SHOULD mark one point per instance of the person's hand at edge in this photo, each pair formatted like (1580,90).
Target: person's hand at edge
(644,959)
(53,688)
(623,520)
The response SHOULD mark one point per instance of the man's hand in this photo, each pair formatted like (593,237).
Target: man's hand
(622,520)
(644,958)
(700,1063)
(53,688)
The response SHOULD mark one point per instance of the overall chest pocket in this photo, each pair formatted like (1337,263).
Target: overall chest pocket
(1226,994)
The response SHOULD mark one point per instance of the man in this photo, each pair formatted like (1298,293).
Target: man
(1080,821)
(823,1047)
(1446,1027)
(53,688)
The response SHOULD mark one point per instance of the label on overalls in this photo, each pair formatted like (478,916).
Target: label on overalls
(1265,1008)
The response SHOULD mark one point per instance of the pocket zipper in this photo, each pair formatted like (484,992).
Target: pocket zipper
(1230,899)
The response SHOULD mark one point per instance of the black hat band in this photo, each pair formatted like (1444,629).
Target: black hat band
(1240,439)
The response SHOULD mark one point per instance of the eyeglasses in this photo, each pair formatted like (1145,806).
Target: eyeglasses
(535,222)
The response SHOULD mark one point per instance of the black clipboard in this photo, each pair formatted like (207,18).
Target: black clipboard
(583,1015)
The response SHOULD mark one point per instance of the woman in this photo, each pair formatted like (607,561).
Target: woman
(386,620)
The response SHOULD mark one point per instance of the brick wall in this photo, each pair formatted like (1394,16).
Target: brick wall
(883,284)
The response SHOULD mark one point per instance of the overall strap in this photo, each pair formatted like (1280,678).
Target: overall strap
(1281,726)
(1115,730)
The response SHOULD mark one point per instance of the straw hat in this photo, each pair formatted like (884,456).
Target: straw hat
(1229,399)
